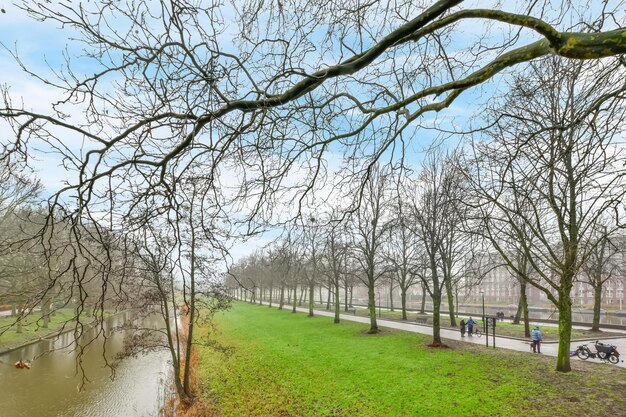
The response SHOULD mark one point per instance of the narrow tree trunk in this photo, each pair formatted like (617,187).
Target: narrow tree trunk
(282,296)
(524,301)
(391,296)
(371,304)
(351,295)
(423,306)
(311,299)
(295,296)
(302,293)
(337,301)
(320,292)
(403,300)
(45,313)
(597,302)
(518,313)
(192,318)
(436,317)
(450,303)
(345,297)
(271,295)
(328,296)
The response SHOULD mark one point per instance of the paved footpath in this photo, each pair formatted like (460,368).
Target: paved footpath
(549,348)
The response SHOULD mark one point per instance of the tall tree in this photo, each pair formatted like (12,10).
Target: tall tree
(432,203)
(549,170)
(370,224)
(402,249)
(603,264)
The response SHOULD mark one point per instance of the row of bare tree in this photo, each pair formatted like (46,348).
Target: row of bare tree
(540,190)
(148,262)
(184,122)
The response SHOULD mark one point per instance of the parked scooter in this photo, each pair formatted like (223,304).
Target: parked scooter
(604,351)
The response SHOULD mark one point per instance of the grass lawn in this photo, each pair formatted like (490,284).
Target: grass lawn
(30,328)
(275,363)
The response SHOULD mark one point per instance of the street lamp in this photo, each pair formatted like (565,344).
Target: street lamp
(482,294)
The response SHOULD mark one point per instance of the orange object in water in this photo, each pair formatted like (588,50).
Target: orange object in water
(22,364)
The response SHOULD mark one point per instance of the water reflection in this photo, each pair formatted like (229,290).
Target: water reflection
(51,387)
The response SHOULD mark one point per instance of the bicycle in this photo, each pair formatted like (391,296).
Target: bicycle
(477,331)
(604,352)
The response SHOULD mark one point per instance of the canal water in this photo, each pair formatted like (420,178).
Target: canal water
(578,315)
(52,388)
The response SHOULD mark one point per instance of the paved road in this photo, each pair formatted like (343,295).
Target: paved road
(501,342)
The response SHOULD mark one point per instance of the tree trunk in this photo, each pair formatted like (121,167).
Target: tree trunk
(45,313)
(351,294)
(524,301)
(565,332)
(518,313)
(403,300)
(271,295)
(391,296)
(282,296)
(311,299)
(371,304)
(295,295)
(320,292)
(423,307)
(345,296)
(597,302)
(450,302)
(337,305)
(436,317)
(302,293)
(328,296)
(192,318)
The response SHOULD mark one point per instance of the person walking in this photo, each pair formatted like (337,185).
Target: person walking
(535,334)
(470,326)
(462,327)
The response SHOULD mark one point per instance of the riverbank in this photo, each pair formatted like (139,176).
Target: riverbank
(275,363)
(89,381)
(31,330)
(61,322)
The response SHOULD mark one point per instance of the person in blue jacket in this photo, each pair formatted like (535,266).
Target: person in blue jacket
(470,326)
(535,334)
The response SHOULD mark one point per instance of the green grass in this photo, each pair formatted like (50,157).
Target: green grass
(275,363)
(31,327)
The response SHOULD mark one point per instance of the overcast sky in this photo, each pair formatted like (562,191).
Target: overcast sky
(41,44)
